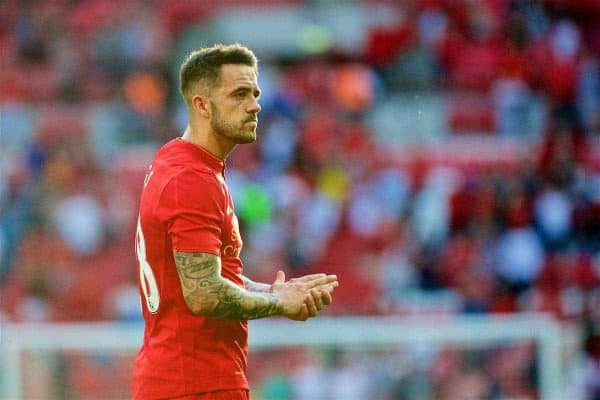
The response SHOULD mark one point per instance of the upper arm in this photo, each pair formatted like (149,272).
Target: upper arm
(197,274)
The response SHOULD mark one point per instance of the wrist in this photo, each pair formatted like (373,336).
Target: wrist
(252,286)
(278,304)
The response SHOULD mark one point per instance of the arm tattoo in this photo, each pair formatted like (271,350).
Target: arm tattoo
(206,292)
(252,286)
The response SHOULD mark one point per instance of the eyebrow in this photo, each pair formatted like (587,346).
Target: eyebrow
(245,88)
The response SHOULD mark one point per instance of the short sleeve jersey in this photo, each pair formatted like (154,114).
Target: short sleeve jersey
(186,206)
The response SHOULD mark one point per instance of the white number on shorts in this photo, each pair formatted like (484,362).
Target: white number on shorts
(147,279)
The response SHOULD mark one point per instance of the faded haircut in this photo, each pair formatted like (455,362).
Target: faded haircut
(203,66)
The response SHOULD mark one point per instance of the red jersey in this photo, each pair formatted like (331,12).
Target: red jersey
(186,206)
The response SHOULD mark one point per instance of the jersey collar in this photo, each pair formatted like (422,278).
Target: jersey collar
(214,162)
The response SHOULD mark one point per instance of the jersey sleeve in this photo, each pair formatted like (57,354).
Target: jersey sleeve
(191,205)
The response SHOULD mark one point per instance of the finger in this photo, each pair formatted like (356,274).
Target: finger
(321,282)
(307,278)
(326,291)
(312,307)
(329,287)
(317,297)
(280,277)
(326,297)
(303,314)
(329,279)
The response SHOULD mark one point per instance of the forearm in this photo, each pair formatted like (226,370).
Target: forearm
(220,298)
(207,293)
(256,286)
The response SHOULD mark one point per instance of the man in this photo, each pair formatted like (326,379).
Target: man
(195,299)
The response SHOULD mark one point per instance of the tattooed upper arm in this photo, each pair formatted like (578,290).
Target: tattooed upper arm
(197,271)
(207,293)
(197,265)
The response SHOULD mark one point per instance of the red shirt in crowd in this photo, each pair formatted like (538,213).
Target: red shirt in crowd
(186,206)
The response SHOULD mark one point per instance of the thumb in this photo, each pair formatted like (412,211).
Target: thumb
(280,277)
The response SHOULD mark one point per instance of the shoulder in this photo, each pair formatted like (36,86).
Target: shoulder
(190,194)
(193,177)
(179,157)
(192,187)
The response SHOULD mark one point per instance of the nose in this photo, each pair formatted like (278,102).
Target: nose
(254,107)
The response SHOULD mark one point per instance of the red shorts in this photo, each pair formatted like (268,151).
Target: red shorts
(237,394)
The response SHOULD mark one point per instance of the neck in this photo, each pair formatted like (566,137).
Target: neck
(208,140)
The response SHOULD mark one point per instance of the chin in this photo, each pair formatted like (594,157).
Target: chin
(246,140)
(246,137)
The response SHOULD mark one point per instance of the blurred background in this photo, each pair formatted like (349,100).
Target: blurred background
(441,156)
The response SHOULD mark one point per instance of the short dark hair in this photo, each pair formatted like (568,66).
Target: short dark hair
(204,65)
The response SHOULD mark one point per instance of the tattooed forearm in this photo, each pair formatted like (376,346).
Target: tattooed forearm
(255,286)
(206,292)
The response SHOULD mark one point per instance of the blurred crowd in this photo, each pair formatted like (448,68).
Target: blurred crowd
(418,373)
(496,211)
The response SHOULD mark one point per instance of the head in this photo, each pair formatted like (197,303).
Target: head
(219,86)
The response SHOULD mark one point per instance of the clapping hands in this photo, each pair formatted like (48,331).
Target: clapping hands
(303,298)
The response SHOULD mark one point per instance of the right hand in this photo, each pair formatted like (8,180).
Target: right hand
(303,297)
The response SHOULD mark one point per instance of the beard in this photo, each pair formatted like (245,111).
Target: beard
(238,134)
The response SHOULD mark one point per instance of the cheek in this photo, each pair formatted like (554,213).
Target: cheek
(235,112)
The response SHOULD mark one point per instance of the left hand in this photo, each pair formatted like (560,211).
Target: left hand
(318,298)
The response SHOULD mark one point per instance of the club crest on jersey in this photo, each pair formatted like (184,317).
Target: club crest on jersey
(235,247)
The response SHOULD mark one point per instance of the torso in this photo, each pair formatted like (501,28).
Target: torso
(183,353)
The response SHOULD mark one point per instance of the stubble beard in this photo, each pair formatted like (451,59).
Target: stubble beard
(238,135)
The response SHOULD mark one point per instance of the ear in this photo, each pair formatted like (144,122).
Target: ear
(201,105)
